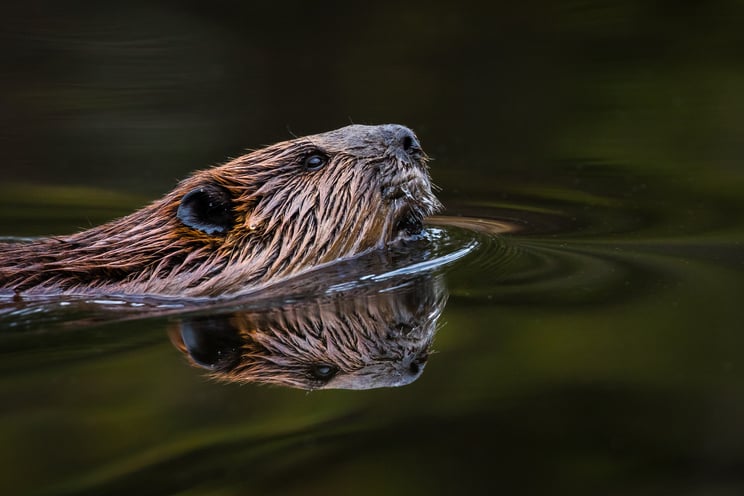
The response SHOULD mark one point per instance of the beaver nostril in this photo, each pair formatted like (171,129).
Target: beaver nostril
(402,139)
(407,143)
(410,144)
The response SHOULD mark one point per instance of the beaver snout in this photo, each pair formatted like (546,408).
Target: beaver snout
(401,141)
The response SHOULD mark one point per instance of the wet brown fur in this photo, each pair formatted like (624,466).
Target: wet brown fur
(287,219)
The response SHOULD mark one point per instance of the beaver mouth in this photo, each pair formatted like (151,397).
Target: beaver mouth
(410,198)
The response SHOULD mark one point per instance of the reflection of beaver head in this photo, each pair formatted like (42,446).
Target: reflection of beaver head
(260,218)
(355,342)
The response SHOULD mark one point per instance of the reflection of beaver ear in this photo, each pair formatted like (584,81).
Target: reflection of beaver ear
(212,343)
(207,208)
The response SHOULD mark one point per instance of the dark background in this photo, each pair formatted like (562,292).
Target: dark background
(133,96)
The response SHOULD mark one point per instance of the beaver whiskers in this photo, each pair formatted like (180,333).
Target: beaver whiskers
(256,220)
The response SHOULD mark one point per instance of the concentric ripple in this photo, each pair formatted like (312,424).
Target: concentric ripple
(516,264)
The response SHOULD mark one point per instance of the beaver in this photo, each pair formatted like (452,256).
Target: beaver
(351,340)
(255,220)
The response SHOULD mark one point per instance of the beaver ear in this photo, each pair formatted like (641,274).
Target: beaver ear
(207,208)
(212,343)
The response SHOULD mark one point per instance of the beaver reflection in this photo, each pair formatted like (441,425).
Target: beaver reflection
(340,342)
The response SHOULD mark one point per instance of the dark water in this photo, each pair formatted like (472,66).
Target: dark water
(581,295)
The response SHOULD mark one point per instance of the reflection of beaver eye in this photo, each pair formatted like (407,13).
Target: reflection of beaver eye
(323,371)
(315,161)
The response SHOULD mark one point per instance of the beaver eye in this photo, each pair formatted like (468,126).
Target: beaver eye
(315,161)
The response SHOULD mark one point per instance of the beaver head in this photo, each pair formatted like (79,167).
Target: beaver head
(255,220)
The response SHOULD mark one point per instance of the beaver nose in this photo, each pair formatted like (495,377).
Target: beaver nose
(400,138)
